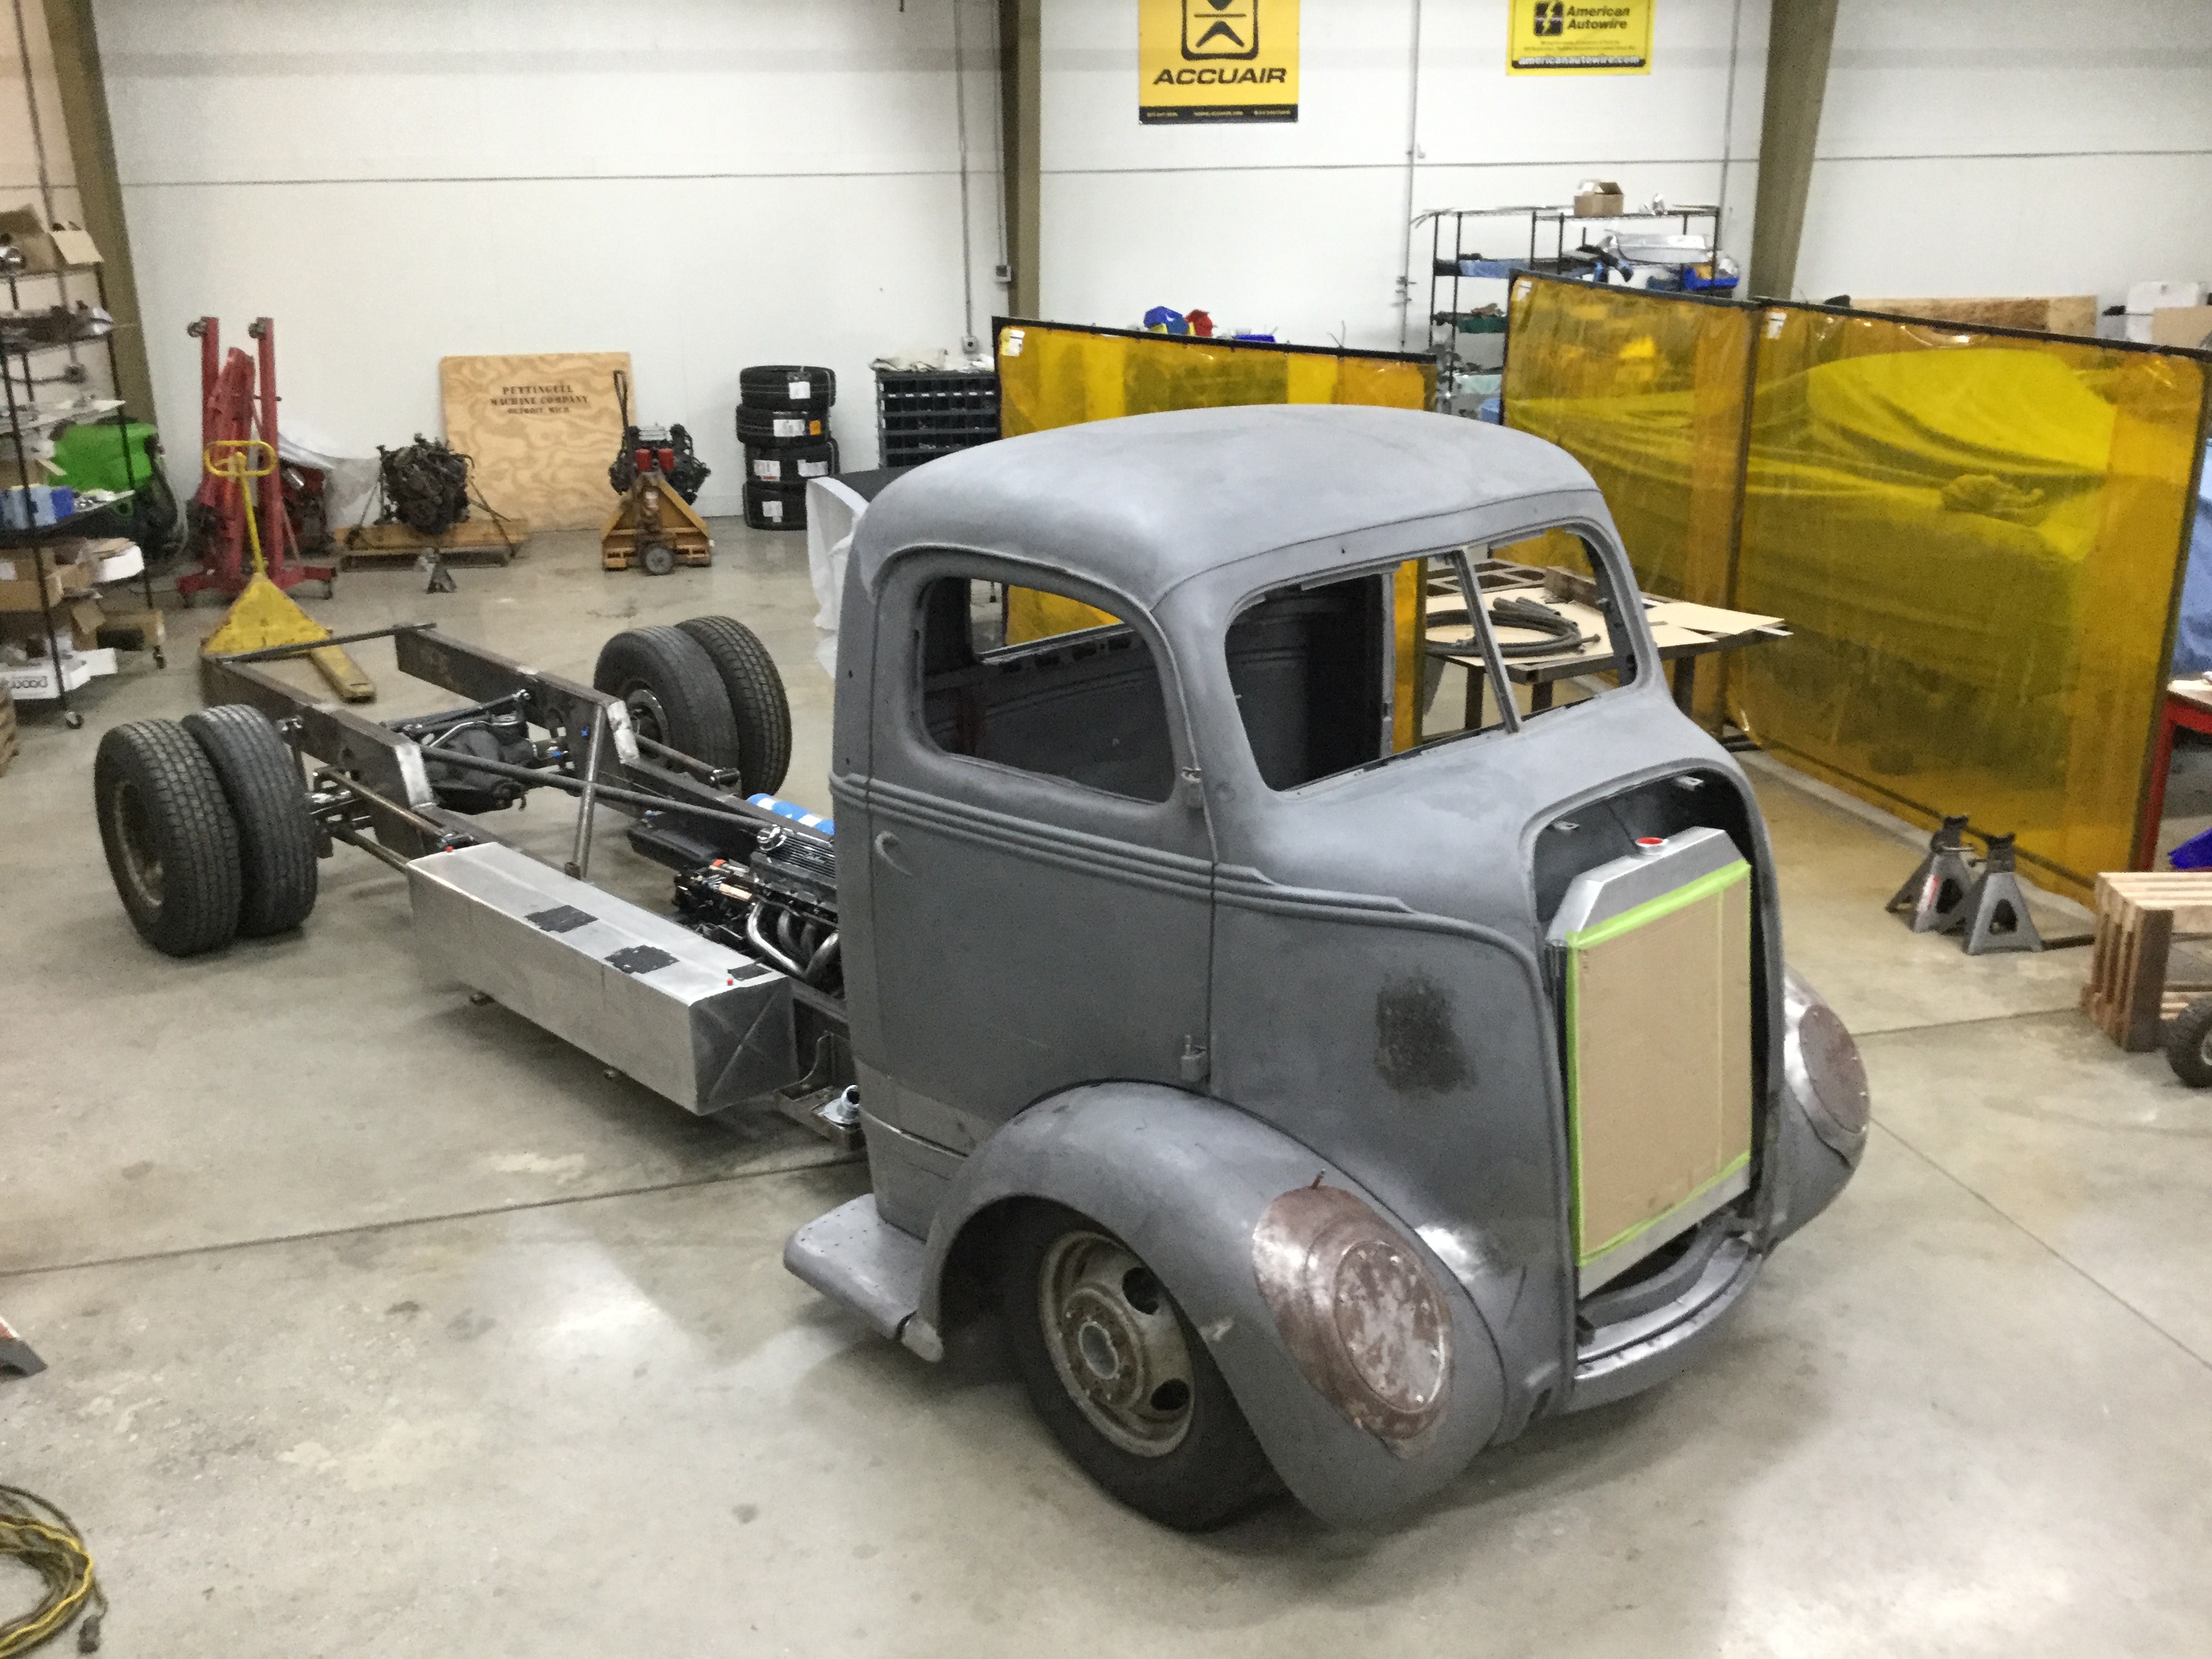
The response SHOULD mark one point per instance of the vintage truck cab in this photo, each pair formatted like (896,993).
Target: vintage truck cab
(1324,1059)
(1321,1055)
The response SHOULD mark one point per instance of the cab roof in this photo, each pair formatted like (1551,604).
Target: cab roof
(1142,503)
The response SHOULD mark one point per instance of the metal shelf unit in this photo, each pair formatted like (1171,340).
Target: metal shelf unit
(920,414)
(19,384)
(1448,305)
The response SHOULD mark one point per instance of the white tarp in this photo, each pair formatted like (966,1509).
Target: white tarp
(833,510)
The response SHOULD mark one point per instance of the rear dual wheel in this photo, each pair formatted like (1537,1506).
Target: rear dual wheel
(206,828)
(708,687)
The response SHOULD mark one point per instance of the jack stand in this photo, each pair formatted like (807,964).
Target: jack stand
(1997,914)
(442,579)
(1936,893)
(17,1359)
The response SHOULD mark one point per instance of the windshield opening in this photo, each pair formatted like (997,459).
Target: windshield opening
(1335,675)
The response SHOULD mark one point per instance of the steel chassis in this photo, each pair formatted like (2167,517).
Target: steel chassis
(368,786)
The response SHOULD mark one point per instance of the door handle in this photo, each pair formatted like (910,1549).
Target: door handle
(887,847)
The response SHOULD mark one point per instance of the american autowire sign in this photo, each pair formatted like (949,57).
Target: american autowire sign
(1217,60)
(1579,37)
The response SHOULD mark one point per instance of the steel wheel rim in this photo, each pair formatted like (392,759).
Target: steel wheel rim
(1115,1343)
(134,838)
(647,717)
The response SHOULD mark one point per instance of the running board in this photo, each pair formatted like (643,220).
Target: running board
(854,1256)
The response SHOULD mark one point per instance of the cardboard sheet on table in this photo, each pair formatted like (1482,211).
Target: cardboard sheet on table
(1707,618)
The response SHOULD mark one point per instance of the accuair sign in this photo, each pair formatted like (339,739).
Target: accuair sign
(1580,37)
(1217,60)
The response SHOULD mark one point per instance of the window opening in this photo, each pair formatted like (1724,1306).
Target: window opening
(1086,706)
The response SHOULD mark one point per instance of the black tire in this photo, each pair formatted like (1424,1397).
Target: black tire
(276,829)
(2187,1043)
(772,506)
(674,693)
(171,840)
(792,466)
(656,558)
(757,701)
(771,385)
(783,429)
(1215,1471)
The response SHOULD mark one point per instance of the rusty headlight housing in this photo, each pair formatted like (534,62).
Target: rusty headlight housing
(1821,1067)
(1359,1310)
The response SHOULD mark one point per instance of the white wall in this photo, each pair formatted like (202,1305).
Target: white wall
(1301,226)
(704,184)
(1977,147)
(2013,146)
(711,183)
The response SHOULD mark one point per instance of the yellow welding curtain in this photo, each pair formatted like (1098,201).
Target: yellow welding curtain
(1974,538)
(1053,374)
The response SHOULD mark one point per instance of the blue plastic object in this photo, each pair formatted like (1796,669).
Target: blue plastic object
(796,813)
(2192,639)
(1162,318)
(1492,409)
(36,506)
(2195,853)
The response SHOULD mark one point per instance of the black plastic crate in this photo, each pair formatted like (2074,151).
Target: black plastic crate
(923,414)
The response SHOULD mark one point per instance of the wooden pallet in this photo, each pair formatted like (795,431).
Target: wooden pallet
(9,747)
(472,541)
(2140,914)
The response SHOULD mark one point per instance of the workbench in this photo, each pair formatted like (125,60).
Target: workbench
(1683,633)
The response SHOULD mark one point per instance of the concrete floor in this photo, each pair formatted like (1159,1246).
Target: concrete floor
(378,1322)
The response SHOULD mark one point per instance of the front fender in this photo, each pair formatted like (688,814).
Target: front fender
(1183,1180)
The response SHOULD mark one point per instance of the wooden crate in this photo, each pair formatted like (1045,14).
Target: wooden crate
(472,541)
(2140,914)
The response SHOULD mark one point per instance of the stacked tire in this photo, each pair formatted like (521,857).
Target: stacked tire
(783,421)
(207,828)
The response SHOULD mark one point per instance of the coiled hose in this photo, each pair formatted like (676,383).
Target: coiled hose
(1560,633)
(47,1541)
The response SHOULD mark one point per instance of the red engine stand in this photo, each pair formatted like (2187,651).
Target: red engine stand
(232,406)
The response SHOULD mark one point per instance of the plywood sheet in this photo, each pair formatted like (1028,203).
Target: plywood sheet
(541,429)
(2065,314)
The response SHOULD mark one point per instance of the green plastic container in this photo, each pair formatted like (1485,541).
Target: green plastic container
(92,455)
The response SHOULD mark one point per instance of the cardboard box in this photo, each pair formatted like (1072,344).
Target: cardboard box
(1598,198)
(2065,314)
(2182,326)
(20,584)
(77,624)
(134,628)
(45,246)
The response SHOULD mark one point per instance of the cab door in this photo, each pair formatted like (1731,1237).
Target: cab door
(1040,886)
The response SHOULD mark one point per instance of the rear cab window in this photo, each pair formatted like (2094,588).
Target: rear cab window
(1043,681)
(1341,672)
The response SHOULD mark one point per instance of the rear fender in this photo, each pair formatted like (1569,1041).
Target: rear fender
(1183,1181)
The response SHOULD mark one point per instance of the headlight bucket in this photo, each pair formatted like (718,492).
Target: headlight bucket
(1359,1310)
(1820,1065)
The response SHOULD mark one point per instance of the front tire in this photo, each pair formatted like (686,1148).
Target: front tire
(169,834)
(1115,1371)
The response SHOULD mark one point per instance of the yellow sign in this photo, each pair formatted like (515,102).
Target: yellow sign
(1217,60)
(1579,37)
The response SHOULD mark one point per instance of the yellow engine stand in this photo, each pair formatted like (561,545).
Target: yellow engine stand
(653,515)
